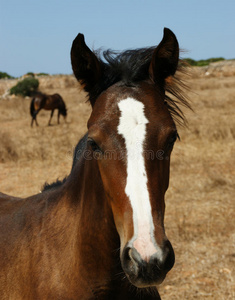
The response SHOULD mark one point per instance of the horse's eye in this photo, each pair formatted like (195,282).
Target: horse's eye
(94,146)
(172,139)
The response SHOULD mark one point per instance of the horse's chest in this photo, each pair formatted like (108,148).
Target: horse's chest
(37,103)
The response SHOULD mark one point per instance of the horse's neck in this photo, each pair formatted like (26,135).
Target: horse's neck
(94,209)
(97,233)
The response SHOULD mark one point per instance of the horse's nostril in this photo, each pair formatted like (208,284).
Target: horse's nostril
(166,261)
(131,261)
(144,273)
(135,256)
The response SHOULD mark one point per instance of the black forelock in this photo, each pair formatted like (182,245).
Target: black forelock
(131,67)
(128,67)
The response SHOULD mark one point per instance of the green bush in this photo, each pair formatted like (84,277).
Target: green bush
(42,74)
(25,87)
(202,62)
(30,74)
(5,75)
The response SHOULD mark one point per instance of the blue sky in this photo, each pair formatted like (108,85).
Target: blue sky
(36,36)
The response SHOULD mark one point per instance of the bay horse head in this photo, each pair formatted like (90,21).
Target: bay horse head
(131,133)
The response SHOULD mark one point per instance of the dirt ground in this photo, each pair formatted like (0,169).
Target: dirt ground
(200,201)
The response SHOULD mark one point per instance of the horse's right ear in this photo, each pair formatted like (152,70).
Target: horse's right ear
(85,64)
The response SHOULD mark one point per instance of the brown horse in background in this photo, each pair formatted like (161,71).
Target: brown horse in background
(47,102)
(100,233)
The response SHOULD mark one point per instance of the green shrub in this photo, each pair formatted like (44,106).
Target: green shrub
(42,74)
(5,75)
(30,74)
(202,62)
(25,87)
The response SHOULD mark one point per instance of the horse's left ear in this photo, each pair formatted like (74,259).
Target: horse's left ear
(85,64)
(165,58)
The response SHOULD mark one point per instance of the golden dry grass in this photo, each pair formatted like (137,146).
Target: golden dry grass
(200,201)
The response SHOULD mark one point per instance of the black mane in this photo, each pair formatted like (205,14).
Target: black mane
(80,147)
(131,67)
(48,186)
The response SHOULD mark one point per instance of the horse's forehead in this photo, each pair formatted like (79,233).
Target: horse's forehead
(149,95)
(107,111)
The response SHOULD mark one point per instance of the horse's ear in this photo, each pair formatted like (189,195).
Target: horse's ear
(85,64)
(165,58)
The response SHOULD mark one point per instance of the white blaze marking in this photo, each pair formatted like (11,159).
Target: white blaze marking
(132,126)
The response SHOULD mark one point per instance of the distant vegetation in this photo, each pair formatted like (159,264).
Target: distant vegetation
(5,75)
(37,74)
(30,74)
(202,62)
(42,74)
(25,87)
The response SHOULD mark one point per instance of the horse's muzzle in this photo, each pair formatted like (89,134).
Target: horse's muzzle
(144,274)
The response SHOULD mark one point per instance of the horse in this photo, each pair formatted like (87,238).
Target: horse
(47,102)
(99,233)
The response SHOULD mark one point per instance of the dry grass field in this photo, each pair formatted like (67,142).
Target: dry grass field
(200,206)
